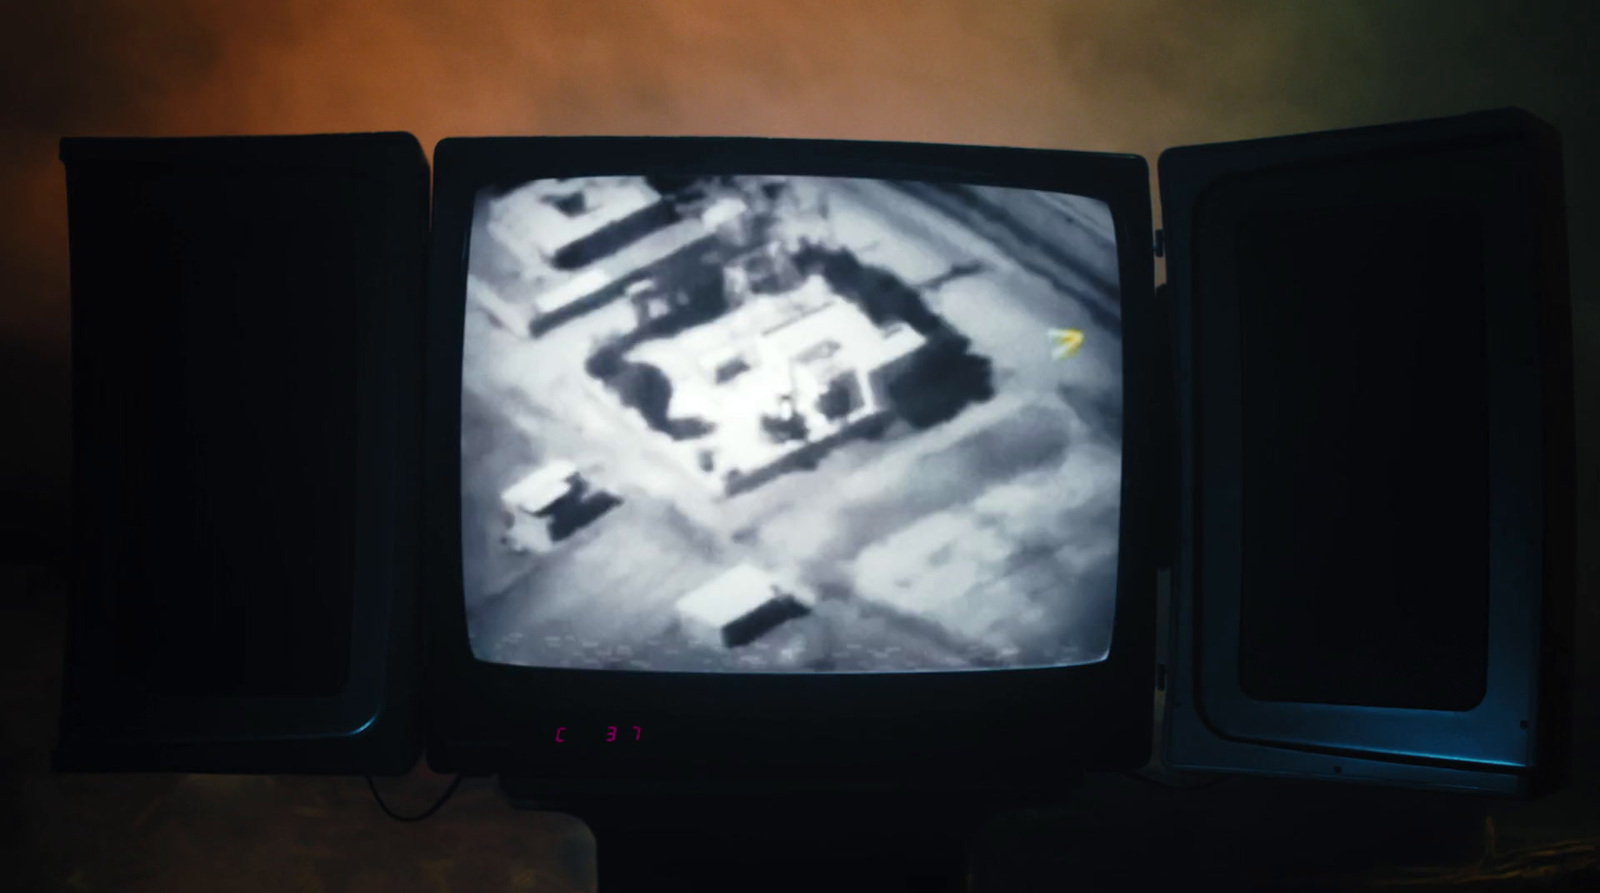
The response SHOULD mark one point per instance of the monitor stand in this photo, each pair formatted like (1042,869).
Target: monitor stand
(779,842)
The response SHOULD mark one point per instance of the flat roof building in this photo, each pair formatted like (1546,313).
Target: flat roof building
(537,221)
(809,353)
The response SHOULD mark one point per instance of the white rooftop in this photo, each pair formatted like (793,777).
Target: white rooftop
(737,593)
(810,331)
(529,215)
(539,489)
(855,340)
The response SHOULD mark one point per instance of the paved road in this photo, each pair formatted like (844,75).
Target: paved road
(605,597)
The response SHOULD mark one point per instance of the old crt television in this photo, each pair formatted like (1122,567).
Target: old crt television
(686,464)
(766,468)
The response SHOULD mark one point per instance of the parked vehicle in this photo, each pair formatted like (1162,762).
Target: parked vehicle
(549,505)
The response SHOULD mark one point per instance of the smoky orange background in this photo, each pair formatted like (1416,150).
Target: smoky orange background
(1109,75)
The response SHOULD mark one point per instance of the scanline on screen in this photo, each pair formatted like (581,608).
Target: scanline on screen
(790,425)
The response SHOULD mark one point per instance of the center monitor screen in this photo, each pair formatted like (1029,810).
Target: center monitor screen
(767,424)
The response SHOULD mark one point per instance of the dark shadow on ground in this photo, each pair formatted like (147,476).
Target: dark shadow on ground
(646,390)
(764,620)
(948,376)
(956,271)
(688,428)
(946,379)
(586,512)
(880,294)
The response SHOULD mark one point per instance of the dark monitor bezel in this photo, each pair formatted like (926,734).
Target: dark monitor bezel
(112,720)
(897,729)
(1506,166)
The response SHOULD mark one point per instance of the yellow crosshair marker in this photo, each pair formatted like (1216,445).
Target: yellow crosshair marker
(1067,341)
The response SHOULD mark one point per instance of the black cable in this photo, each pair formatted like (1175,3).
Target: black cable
(372,786)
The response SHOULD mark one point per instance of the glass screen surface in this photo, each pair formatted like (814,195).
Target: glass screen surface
(790,425)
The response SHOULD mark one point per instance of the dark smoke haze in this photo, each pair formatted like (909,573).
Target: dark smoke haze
(1116,75)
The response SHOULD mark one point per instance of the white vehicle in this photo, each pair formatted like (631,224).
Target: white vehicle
(532,505)
(739,606)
